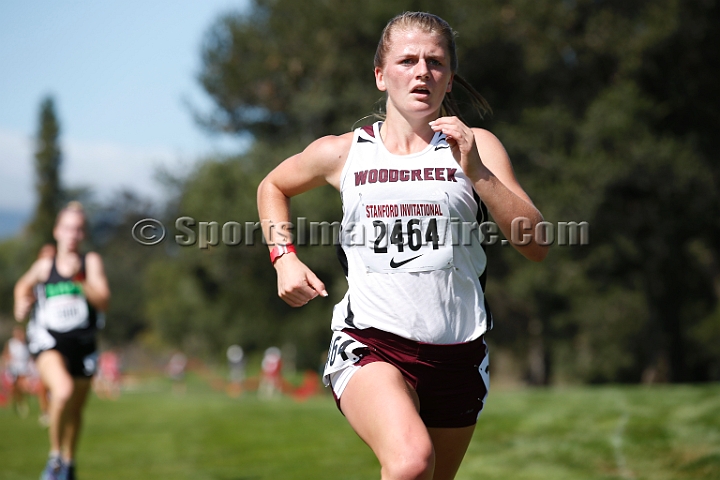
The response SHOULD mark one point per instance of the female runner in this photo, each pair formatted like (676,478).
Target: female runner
(407,362)
(64,295)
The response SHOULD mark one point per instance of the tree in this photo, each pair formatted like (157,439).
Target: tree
(48,159)
(125,262)
(204,300)
(617,133)
(606,110)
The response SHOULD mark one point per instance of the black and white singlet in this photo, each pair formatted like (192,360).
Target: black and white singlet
(62,312)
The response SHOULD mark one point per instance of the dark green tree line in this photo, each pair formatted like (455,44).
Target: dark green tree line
(606,109)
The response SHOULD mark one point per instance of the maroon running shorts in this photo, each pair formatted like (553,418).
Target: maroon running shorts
(451,381)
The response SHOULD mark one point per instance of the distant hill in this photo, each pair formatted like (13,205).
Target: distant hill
(12,221)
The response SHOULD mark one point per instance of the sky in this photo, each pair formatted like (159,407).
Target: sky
(122,74)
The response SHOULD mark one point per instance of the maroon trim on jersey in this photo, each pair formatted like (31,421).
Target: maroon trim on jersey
(369,130)
(446,377)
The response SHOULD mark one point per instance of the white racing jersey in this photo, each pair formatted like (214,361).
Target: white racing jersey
(410,243)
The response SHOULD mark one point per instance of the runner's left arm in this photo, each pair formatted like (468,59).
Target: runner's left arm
(95,286)
(486,163)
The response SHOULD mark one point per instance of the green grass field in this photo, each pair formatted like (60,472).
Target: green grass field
(666,432)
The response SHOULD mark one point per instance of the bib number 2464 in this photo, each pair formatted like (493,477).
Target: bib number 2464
(412,230)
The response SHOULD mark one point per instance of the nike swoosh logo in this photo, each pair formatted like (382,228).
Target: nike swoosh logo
(400,264)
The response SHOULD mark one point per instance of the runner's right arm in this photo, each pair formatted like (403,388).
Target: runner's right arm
(321,163)
(23,293)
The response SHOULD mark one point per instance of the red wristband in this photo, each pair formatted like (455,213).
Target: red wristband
(281,250)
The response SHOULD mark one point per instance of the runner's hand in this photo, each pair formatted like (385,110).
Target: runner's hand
(297,284)
(22,307)
(461,139)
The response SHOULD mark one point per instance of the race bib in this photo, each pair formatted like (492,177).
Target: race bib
(344,351)
(63,313)
(406,236)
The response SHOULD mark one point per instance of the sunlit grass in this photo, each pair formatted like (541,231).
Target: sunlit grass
(668,432)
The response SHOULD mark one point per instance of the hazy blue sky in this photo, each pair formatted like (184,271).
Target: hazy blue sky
(121,73)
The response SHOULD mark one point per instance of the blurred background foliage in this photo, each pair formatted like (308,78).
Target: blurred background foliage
(609,110)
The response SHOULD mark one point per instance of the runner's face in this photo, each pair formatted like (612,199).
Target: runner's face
(416,73)
(70,231)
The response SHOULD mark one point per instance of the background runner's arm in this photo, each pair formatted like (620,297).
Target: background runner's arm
(95,286)
(23,294)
